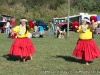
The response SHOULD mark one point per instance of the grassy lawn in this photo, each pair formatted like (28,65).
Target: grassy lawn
(53,57)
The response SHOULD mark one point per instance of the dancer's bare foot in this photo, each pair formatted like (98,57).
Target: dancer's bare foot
(87,63)
(29,58)
(24,59)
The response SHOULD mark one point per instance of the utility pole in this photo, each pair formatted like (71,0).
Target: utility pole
(68,18)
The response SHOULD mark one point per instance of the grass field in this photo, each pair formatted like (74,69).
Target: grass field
(53,57)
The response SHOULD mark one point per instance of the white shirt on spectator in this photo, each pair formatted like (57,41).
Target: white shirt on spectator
(7,25)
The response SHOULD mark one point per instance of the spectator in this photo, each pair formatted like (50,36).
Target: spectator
(13,21)
(7,26)
(41,29)
(51,28)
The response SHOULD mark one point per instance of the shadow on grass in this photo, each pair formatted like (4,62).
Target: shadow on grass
(69,58)
(10,57)
(72,59)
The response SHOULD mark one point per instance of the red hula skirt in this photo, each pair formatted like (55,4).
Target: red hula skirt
(86,49)
(22,47)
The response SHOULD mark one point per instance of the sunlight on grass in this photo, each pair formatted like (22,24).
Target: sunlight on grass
(53,57)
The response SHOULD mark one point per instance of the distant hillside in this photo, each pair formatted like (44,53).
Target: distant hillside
(47,9)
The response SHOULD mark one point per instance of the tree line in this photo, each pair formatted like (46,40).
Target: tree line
(47,9)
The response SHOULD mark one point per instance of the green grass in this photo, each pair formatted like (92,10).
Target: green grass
(53,57)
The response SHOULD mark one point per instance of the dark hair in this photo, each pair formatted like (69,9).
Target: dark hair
(8,20)
(87,19)
(88,23)
(51,21)
(26,29)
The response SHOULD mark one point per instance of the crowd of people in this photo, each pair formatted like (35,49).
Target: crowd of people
(86,48)
(37,32)
(22,47)
(56,30)
(11,22)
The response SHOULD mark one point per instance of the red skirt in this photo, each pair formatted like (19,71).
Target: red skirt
(22,47)
(86,49)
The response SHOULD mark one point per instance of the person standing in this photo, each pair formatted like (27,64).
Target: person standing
(7,26)
(13,21)
(51,28)
(35,32)
(58,31)
(86,48)
(22,46)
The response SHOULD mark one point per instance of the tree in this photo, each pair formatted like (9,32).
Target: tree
(85,5)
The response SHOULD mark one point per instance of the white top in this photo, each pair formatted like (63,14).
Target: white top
(36,28)
(7,25)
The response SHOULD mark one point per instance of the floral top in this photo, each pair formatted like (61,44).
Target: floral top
(85,31)
(21,31)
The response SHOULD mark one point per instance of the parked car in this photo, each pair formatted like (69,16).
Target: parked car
(63,25)
(3,20)
(62,22)
(42,23)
